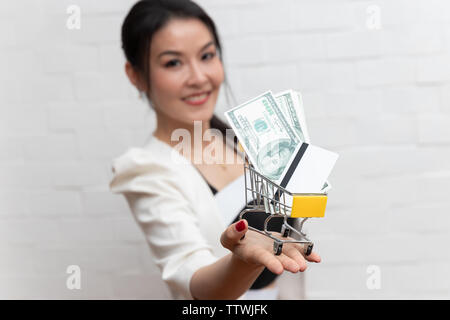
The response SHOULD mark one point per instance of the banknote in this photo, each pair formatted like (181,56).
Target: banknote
(301,115)
(291,104)
(265,134)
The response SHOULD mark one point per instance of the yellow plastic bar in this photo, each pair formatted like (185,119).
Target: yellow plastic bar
(308,205)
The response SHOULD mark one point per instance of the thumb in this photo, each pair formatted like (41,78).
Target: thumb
(233,234)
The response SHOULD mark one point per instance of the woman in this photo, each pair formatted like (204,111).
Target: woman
(173,57)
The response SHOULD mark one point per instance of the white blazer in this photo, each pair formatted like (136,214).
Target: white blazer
(174,207)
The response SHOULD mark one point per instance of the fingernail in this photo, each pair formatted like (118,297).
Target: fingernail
(240,226)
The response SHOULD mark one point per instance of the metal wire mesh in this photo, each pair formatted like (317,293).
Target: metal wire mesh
(261,192)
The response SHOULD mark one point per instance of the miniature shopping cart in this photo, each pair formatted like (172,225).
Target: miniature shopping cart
(264,196)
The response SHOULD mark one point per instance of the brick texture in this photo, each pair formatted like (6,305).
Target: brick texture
(379,96)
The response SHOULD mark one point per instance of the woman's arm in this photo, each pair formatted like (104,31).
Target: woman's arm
(228,278)
(232,275)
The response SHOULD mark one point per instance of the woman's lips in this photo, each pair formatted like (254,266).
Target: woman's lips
(197,99)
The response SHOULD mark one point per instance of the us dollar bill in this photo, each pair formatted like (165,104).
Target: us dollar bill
(265,134)
(291,104)
(302,115)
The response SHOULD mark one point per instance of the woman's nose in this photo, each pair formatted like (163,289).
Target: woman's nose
(197,76)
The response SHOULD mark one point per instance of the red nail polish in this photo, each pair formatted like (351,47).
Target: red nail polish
(240,226)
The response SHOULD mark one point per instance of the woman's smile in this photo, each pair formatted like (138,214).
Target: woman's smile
(197,98)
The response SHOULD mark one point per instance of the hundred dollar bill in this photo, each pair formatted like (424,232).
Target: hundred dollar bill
(265,134)
(291,104)
(302,115)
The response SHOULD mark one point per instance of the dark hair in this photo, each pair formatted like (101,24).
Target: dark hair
(148,16)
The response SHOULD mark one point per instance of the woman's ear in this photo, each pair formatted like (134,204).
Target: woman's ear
(134,77)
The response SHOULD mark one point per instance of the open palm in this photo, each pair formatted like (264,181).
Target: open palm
(257,249)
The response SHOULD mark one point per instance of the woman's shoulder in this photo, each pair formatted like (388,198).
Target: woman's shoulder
(153,154)
(155,161)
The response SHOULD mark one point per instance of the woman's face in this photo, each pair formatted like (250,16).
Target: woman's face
(185,71)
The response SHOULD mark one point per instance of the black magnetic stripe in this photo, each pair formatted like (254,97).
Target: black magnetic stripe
(294,164)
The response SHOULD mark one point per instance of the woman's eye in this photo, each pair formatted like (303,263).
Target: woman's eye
(208,55)
(172,63)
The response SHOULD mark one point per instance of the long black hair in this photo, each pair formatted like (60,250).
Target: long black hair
(148,16)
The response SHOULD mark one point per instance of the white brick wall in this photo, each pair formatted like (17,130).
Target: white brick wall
(379,97)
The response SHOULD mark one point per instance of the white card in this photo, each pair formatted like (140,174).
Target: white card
(309,169)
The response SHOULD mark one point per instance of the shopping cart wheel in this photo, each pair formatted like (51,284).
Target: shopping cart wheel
(309,250)
(285,232)
(277,247)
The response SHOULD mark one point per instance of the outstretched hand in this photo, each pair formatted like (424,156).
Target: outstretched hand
(256,248)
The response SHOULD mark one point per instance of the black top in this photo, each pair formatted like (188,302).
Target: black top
(213,190)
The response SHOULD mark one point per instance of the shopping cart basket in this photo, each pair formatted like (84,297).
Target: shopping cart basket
(263,195)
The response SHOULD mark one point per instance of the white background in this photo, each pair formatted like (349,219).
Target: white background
(378,97)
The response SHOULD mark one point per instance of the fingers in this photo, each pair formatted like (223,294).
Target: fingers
(231,236)
(313,257)
(270,261)
(291,260)
(296,256)
(288,263)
